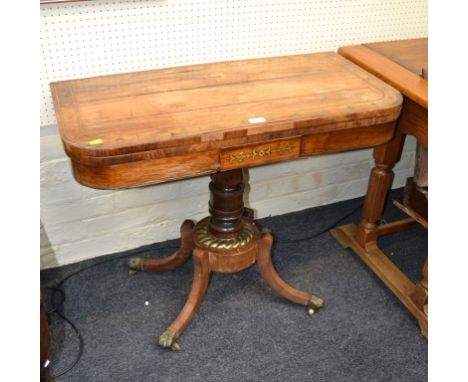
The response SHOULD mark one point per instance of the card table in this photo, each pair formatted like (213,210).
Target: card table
(402,64)
(135,129)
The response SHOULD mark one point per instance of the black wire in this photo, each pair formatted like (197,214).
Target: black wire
(80,338)
(325,230)
(55,307)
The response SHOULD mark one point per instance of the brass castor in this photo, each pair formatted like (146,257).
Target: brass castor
(167,340)
(313,304)
(135,264)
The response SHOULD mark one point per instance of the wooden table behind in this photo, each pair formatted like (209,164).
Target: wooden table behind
(404,65)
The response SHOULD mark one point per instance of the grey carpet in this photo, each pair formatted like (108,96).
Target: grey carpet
(243,331)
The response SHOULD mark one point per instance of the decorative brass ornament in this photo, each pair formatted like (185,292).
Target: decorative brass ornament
(313,304)
(260,153)
(168,340)
(281,149)
(135,264)
(207,239)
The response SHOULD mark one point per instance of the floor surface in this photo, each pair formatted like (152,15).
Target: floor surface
(243,331)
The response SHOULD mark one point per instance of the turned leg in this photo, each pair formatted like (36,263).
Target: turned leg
(169,263)
(275,282)
(416,190)
(379,183)
(201,279)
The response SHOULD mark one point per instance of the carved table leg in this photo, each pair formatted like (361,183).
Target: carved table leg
(201,279)
(379,183)
(227,241)
(275,282)
(178,259)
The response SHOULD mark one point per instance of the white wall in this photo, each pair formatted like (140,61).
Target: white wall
(102,37)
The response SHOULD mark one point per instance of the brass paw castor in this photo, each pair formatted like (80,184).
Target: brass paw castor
(168,339)
(313,304)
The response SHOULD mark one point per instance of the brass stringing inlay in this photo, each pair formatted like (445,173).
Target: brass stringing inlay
(206,238)
(260,153)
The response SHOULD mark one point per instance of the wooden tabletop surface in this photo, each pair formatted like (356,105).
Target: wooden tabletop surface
(218,104)
(411,54)
(397,62)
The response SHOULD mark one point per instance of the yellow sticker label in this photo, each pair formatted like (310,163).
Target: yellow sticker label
(96,141)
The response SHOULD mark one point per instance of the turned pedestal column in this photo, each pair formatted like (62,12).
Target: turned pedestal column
(227,241)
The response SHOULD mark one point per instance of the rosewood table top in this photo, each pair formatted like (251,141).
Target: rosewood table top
(133,129)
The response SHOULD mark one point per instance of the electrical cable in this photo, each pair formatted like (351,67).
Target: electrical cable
(57,288)
(81,348)
(56,307)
